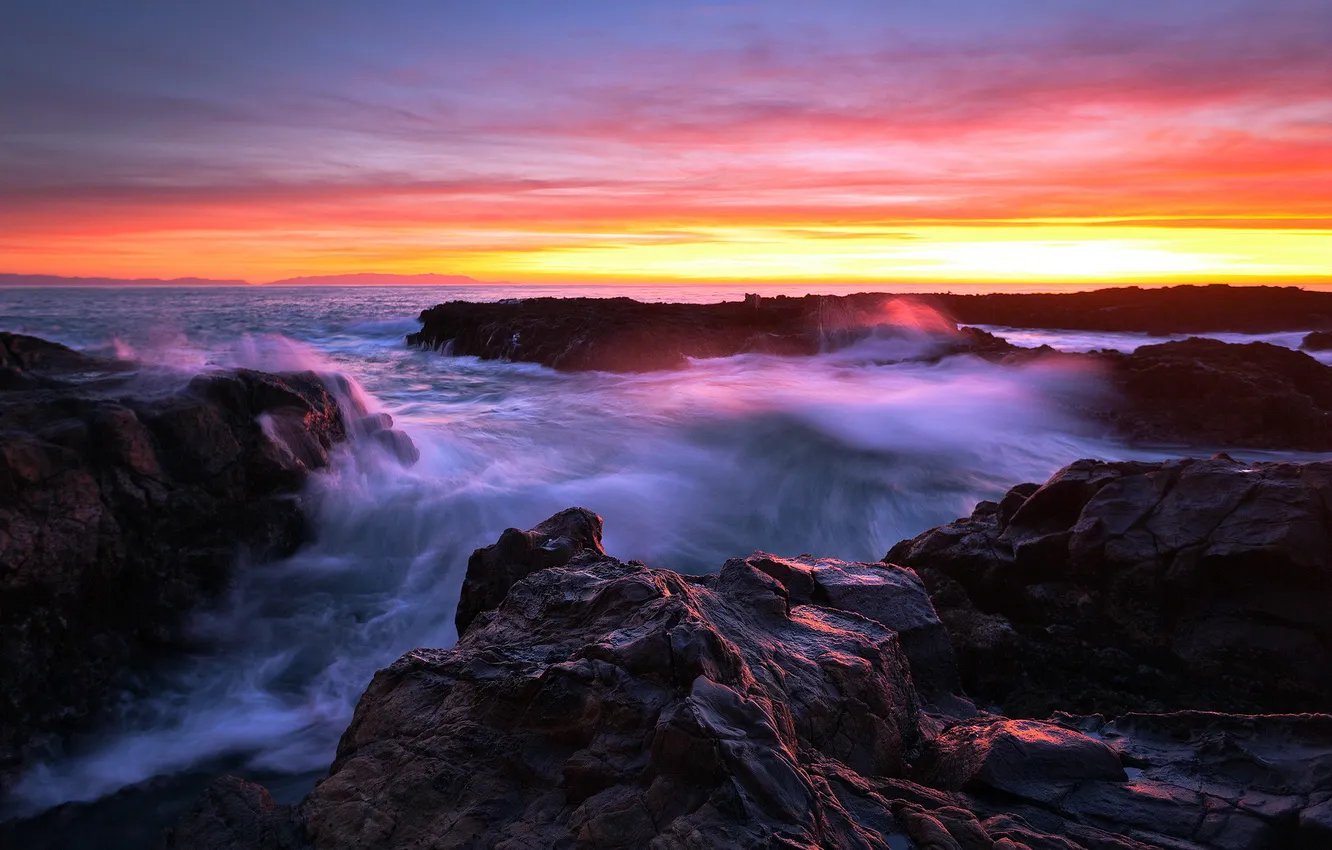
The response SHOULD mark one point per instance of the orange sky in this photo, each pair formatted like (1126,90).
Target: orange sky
(1187,143)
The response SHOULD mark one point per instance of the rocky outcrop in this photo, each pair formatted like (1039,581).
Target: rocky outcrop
(1116,587)
(1203,392)
(624,335)
(1317,341)
(1166,310)
(605,704)
(122,506)
(1194,392)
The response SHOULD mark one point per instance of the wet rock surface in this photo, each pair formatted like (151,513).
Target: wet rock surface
(1116,587)
(605,704)
(1194,392)
(125,501)
(624,335)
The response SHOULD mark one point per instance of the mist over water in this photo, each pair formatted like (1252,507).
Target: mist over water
(839,455)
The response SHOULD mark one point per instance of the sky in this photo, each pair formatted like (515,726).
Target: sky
(897,140)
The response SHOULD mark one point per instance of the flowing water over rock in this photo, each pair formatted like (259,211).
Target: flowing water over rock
(841,455)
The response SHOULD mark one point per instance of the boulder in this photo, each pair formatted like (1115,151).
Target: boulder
(492,570)
(1142,586)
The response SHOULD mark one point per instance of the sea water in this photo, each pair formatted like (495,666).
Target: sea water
(841,454)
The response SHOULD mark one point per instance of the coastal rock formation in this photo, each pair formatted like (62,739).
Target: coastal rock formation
(1160,311)
(1203,392)
(1317,341)
(624,335)
(1194,392)
(605,704)
(1129,586)
(124,505)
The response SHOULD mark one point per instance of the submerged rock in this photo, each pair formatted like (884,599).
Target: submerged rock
(605,704)
(122,506)
(1123,586)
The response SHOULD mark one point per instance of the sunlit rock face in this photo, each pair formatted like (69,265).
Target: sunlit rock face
(605,704)
(1142,586)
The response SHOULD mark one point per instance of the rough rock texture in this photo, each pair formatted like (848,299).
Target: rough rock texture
(492,570)
(1128,586)
(624,335)
(605,704)
(124,504)
(1204,392)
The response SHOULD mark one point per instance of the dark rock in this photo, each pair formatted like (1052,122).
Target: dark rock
(235,815)
(119,512)
(492,570)
(1196,392)
(1317,341)
(1166,310)
(603,704)
(624,335)
(1204,392)
(1185,584)
(1036,761)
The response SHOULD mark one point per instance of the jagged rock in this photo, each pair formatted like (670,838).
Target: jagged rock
(119,511)
(604,704)
(1122,586)
(492,570)
(890,595)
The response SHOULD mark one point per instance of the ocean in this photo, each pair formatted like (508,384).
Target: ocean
(840,455)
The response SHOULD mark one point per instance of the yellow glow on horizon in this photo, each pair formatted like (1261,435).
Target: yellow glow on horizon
(981,252)
(943,253)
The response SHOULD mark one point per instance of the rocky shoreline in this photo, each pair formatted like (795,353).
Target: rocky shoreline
(811,703)
(125,503)
(1196,392)
(1127,656)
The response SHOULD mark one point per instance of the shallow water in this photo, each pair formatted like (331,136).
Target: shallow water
(841,455)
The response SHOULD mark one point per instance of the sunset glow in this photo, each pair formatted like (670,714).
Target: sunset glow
(667,142)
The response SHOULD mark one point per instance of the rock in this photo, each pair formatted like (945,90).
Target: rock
(1133,586)
(604,704)
(492,570)
(120,511)
(624,335)
(1315,826)
(1317,341)
(1036,761)
(1164,310)
(893,596)
(1204,392)
(1195,392)
(235,815)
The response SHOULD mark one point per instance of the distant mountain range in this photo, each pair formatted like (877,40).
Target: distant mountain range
(315,280)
